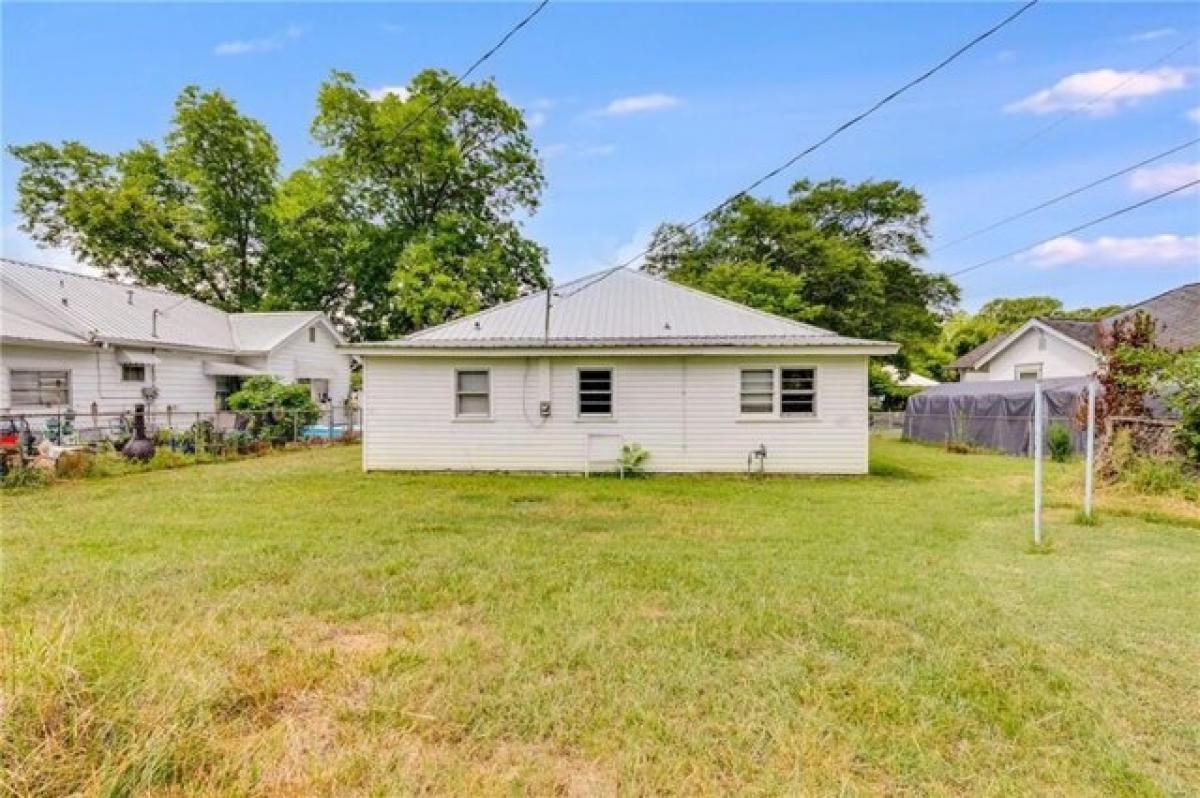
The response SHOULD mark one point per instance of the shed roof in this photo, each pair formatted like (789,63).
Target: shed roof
(108,310)
(620,308)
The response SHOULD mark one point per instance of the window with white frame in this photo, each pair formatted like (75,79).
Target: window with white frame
(472,393)
(787,391)
(1028,372)
(797,392)
(39,388)
(312,335)
(758,391)
(595,392)
(133,372)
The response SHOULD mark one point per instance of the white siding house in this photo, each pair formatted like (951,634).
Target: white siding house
(1048,348)
(71,341)
(619,357)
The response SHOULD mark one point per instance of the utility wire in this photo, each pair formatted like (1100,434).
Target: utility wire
(1067,195)
(849,123)
(437,100)
(1037,134)
(1078,228)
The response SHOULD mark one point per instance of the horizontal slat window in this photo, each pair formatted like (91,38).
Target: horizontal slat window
(595,392)
(758,390)
(798,392)
(39,388)
(472,393)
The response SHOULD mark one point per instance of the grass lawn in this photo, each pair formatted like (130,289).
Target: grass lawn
(291,626)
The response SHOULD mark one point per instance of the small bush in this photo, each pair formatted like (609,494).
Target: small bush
(1158,477)
(26,477)
(633,459)
(1058,441)
(165,458)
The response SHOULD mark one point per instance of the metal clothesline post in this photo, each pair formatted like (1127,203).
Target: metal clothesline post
(1038,413)
(1090,459)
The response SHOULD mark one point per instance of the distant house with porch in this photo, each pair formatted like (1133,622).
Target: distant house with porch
(98,346)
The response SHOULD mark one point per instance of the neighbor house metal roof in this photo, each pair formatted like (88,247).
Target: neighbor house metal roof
(98,309)
(620,308)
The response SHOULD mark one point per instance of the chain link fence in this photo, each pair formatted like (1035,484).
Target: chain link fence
(190,432)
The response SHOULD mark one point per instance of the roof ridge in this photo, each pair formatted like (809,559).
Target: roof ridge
(425,330)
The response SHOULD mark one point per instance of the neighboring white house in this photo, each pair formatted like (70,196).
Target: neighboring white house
(99,346)
(913,380)
(1046,348)
(558,383)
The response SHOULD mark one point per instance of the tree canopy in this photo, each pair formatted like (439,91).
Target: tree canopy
(838,255)
(408,217)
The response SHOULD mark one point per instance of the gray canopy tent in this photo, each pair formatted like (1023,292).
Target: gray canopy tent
(995,414)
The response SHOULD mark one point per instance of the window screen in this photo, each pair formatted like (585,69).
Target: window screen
(40,388)
(133,372)
(472,393)
(595,392)
(797,392)
(758,390)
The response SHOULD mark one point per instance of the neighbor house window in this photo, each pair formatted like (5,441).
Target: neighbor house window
(312,335)
(1033,372)
(758,390)
(595,392)
(797,392)
(472,393)
(40,388)
(226,386)
(133,372)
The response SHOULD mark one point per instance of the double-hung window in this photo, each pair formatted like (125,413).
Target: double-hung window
(786,392)
(797,392)
(472,393)
(39,388)
(595,392)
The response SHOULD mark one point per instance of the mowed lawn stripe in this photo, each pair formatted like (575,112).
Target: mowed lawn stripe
(290,624)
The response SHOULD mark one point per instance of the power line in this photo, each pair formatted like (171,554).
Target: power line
(1077,228)
(852,121)
(1067,195)
(1037,134)
(456,82)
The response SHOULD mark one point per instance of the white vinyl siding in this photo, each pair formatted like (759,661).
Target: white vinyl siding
(310,354)
(686,411)
(1056,357)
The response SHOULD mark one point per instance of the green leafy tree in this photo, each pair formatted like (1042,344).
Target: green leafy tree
(1009,314)
(841,256)
(193,216)
(408,219)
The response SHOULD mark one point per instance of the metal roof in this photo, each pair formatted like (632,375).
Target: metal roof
(620,307)
(99,309)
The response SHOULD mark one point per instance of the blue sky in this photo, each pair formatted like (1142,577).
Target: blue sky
(646,113)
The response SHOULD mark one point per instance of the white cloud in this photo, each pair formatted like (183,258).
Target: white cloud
(383,91)
(1151,35)
(561,150)
(1194,114)
(535,119)
(639,103)
(1103,91)
(275,41)
(1153,179)
(1145,251)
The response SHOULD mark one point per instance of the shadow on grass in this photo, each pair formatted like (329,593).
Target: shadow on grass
(898,473)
